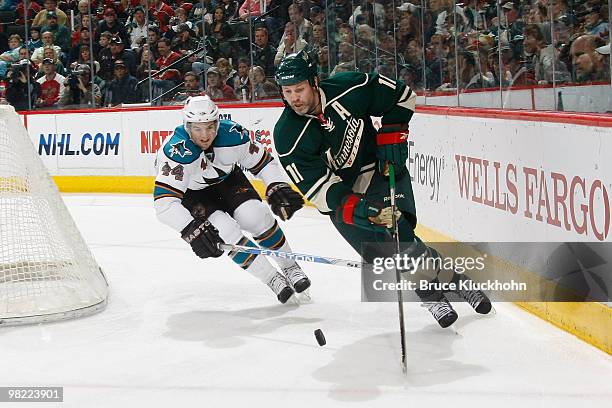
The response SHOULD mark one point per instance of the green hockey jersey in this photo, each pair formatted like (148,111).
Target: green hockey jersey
(334,154)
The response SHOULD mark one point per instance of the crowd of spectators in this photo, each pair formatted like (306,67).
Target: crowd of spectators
(107,53)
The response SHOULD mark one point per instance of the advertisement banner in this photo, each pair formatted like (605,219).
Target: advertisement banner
(494,179)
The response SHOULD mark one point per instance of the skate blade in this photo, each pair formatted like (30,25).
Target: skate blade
(303,298)
(454,329)
(292,301)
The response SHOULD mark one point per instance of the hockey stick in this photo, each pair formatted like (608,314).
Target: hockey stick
(400,297)
(292,255)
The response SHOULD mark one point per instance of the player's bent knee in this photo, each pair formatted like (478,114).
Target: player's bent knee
(228,229)
(254,216)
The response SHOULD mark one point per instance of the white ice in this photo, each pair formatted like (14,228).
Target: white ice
(182,332)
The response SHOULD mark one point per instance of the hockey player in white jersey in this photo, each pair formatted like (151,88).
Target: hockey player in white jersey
(201,192)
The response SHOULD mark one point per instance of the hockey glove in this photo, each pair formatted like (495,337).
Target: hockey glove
(283,200)
(203,238)
(356,210)
(392,147)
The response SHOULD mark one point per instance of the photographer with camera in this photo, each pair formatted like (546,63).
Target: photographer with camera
(78,89)
(18,89)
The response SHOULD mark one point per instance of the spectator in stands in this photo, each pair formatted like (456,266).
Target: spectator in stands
(147,64)
(103,43)
(342,9)
(346,53)
(215,87)
(323,61)
(413,54)
(85,23)
(161,12)
(242,83)
(51,85)
(290,43)
(184,42)
(262,87)
(17,89)
(318,37)
(78,89)
(587,63)
(47,41)
(544,58)
(123,87)
(345,34)
(230,7)
(83,10)
(520,75)
(191,87)
(51,53)
(33,9)
(604,52)
(221,30)
(408,29)
(226,71)
(60,32)
(594,23)
(11,56)
(113,26)
(317,16)
(138,27)
(181,16)
(469,74)
(366,12)
(409,74)
(115,51)
(154,37)
(84,38)
(302,26)
(249,9)
(169,78)
(34,41)
(201,10)
(263,51)
(50,6)
(84,57)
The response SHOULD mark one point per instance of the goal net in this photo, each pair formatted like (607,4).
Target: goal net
(47,272)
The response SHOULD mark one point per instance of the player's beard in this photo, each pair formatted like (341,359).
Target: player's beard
(316,102)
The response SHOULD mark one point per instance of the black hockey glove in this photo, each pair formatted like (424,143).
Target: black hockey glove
(283,200)
(203,238)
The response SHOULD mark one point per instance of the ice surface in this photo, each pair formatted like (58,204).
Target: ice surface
(182,332)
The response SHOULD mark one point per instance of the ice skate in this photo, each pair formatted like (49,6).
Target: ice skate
(280,286)
(476,298)
(297,278)
(441,310)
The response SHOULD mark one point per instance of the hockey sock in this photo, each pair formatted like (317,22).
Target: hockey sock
(256,265)
(274,238)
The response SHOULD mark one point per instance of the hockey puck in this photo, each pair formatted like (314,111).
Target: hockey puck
(320,337)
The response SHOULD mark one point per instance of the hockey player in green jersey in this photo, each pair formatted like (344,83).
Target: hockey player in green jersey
(329,147)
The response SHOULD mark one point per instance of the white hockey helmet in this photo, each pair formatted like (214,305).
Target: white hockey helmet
(200,109)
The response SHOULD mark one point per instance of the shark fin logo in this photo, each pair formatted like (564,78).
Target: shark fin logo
(180,149)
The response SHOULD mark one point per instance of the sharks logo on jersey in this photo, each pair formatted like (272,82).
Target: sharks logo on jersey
(221,175)
(180,149)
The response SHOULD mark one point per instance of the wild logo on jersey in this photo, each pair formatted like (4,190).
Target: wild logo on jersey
(351,139)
